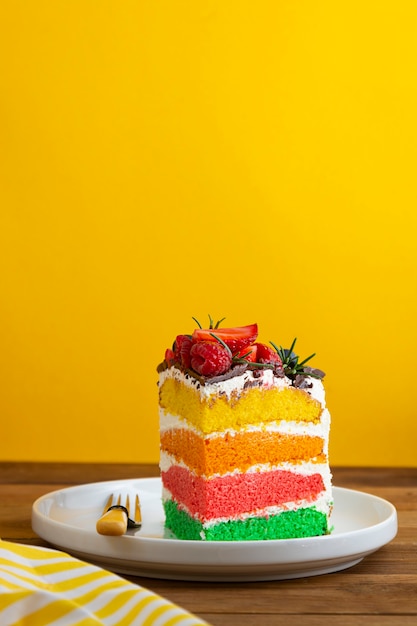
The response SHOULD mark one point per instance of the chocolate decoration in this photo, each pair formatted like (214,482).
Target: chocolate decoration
(238,369)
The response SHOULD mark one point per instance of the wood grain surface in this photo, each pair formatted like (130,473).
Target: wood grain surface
(379,591)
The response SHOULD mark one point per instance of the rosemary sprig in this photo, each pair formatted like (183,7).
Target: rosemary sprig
(292,367)
(253,364)
(197,322)
(211,322)
(222,342)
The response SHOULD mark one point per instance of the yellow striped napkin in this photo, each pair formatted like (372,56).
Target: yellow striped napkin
(41,586)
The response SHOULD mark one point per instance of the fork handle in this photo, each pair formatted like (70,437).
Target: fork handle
(113,523)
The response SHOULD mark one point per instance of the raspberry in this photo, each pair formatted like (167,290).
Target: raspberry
(169,356)
(209,358)
(182,347)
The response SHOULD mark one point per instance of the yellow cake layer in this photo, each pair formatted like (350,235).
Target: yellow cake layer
(251,406)
(242,450)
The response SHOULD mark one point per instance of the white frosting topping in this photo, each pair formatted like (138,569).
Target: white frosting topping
(237,383)
(305,468)
(167,421)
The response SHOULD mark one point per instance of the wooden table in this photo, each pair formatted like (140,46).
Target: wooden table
(379,591)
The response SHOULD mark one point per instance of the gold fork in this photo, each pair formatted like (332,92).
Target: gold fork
(115,519)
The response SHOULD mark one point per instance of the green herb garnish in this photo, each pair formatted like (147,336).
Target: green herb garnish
(290,362)
(211,322)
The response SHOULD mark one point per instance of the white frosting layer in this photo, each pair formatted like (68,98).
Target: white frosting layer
(237,383)
(167,421)
(305,468)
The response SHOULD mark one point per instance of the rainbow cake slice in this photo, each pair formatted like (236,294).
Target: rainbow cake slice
(244,435)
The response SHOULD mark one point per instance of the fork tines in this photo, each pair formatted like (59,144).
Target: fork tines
(116,518)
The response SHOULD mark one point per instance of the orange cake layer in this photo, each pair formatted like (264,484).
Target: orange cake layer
(240,450)
(253,406)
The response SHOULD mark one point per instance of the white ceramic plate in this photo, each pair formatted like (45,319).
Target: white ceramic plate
(363,523)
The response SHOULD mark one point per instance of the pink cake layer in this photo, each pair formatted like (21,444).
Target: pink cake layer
(234,494)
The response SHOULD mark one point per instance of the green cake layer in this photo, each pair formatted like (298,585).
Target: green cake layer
(307,522)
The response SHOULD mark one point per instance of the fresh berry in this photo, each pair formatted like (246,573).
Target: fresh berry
(169,356)
(210,358)
(185,351)
(265,354)
(249,353)
(236,338)
(182,348)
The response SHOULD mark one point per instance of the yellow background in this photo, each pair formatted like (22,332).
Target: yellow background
(168,159)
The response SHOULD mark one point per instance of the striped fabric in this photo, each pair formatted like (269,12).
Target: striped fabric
(41,587)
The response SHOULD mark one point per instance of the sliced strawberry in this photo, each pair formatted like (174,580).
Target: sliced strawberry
(210,358)
(249,353)
(236,338)
(265,354)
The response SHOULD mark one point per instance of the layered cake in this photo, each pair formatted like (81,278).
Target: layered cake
(244,433)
